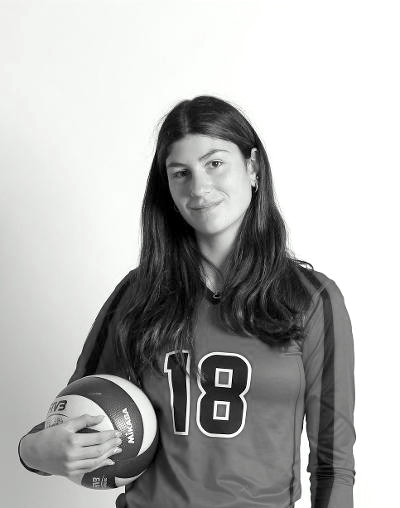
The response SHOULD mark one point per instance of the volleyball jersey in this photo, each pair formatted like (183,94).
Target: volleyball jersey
(233,440)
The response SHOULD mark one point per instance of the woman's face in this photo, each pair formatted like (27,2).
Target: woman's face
(203,170)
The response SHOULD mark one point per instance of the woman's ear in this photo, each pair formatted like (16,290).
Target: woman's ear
(252,163)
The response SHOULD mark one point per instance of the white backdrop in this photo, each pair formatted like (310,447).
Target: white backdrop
(82,86)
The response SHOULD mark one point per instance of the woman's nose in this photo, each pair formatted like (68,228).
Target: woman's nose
(200,184)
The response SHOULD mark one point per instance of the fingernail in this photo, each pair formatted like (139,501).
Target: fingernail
(110,462)
(117,450)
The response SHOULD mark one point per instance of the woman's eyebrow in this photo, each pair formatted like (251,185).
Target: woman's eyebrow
(180,164)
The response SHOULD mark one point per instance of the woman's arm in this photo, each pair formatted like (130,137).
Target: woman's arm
(97,356)
(61,451)
(26,449)
(328,357)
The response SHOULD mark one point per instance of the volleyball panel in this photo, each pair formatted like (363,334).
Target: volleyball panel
(71,406)
(143,404)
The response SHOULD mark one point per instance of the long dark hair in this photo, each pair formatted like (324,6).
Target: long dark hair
(262,296)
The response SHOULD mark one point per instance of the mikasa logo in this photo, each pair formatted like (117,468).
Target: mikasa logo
(129,434)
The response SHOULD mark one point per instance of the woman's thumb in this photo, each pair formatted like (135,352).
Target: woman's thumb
(80,422)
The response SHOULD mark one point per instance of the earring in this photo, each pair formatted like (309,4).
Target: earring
(256,185)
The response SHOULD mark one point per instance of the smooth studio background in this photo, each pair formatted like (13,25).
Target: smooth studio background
(82,87)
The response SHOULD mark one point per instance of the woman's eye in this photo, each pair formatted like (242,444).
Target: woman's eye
(175,175)
(215,164)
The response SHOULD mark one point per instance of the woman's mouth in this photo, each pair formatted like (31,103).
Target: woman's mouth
(205,207)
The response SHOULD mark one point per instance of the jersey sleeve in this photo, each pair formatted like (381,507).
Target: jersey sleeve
(97,356)
(328,357)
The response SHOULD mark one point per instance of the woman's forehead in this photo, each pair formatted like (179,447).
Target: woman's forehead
(196,145)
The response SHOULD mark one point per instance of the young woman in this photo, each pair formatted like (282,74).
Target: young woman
(232,338)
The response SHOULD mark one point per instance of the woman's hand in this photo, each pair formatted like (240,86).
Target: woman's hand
(61,450)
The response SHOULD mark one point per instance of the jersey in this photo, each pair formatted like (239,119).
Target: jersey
(232,440)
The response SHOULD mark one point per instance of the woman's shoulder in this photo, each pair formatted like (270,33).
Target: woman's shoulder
(317,282)
(121,293)
(325,295)
(127,280)
(130,276)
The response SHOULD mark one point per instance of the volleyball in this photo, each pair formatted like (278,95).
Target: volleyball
(126,408)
